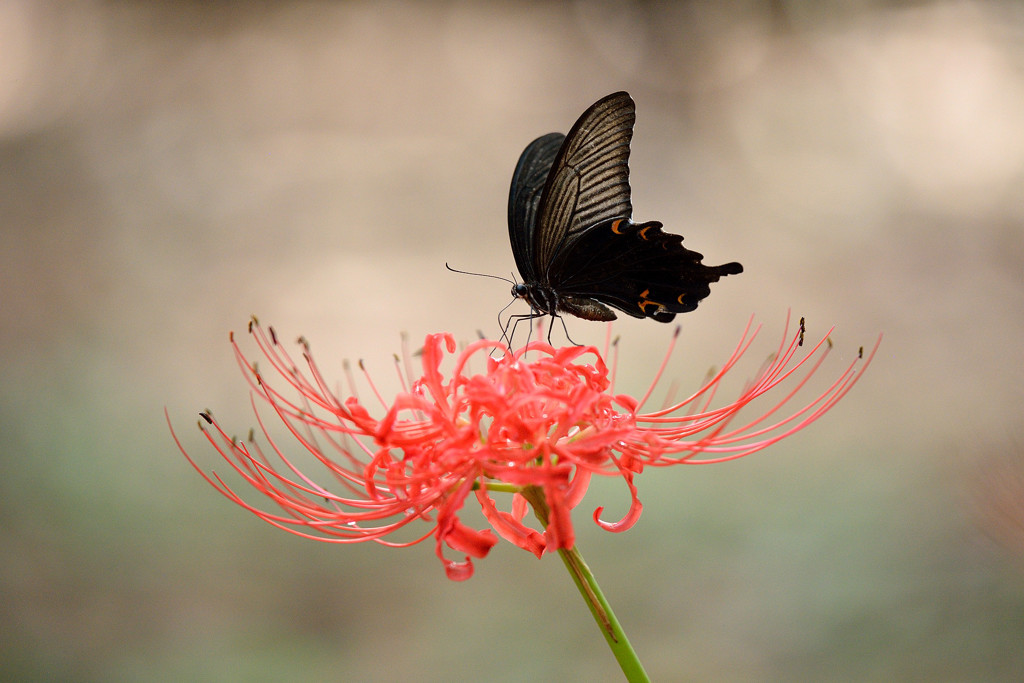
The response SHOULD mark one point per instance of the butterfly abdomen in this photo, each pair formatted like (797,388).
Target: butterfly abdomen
(544,300)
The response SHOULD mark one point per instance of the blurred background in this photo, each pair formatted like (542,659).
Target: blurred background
(169,169)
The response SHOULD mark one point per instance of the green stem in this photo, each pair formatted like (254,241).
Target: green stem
(599,607)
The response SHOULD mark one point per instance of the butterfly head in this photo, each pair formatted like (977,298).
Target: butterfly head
(542,299)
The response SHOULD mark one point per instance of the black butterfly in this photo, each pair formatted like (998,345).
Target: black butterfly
(576,247)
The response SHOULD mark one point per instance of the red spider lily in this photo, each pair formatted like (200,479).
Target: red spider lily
(538,424)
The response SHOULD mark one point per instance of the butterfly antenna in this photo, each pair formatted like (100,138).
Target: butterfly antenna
(466,272)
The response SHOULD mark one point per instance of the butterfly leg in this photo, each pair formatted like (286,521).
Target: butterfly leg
(564,328)
(506,335)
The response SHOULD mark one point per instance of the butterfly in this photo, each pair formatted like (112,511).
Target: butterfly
(573,237)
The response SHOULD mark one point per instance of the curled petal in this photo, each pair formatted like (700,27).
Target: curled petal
(459,537)
(632,515)
(432,357)
(464,539)
(510,527)
(577,488)
(458,571)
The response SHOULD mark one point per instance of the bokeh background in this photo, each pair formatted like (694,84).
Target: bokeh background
(168,169)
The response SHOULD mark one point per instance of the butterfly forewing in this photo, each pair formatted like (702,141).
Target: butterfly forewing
(588,181)
(528,181)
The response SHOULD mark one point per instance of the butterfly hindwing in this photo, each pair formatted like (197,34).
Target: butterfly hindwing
(636,268)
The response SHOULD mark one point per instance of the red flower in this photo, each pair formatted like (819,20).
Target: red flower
(537,424)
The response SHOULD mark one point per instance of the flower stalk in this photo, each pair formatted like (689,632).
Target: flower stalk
(602,612)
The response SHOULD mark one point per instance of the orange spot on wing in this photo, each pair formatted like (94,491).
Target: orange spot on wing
(645,302)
